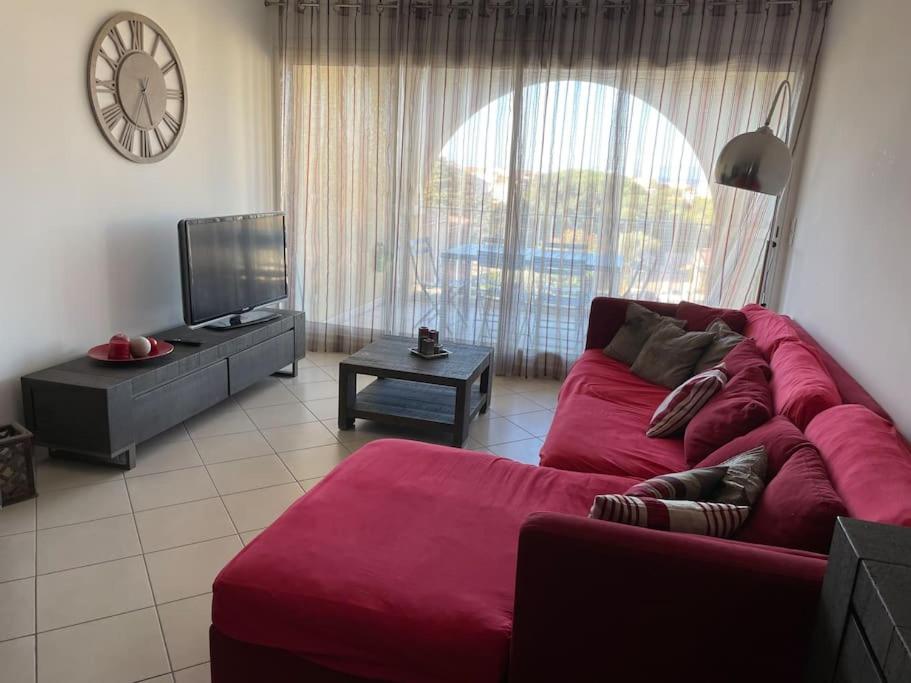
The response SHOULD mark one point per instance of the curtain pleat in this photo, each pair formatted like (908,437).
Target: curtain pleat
(487,168)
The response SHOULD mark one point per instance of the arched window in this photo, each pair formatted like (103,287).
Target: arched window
(564,190)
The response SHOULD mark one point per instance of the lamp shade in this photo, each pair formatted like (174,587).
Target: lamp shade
(757,161)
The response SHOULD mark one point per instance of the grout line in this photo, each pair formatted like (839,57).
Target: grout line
(145,563)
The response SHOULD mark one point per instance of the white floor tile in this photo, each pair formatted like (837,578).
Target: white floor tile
(186,630)
(17,608)
(299,436)
(100,590)
(314,391)
(309,463)
(189,570)
(169,488)
(225,418)
(512,404)
(18,660)
(308,484)
(164,456)
(18,517)
(259,508)
(232,447)
(167,678)
(82,504)
(545,399)
(175,525)
(307,375)
(247,536)
(54,474)
(496,430)
(327,358)
(195,674)
(525,451)
(323,408)
(269,392)
(175,433)
(536,423)
(127,647)
(250,473)
(77,545)
(17,556)
(281,415)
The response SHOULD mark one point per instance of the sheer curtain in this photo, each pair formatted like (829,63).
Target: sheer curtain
(487,168)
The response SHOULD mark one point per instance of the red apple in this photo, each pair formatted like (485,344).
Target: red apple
(120,336)
(153,343)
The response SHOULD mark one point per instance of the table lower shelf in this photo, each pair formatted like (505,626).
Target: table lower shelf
(399,401)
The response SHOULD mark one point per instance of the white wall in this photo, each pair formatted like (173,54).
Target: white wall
(88,240)
(849,272)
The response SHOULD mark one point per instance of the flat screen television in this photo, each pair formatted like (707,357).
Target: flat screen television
(230,265)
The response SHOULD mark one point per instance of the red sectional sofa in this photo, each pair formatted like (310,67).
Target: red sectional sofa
(417,563)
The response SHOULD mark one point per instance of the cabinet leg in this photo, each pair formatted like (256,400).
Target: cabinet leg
(124,459)
(347,393)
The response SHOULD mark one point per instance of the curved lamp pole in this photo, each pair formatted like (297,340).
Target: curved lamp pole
(759,161)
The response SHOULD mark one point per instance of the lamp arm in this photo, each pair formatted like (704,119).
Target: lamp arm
(785,84)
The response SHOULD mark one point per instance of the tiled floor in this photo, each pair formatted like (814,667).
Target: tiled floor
(106,576)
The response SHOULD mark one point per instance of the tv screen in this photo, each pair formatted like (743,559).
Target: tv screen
(231,264)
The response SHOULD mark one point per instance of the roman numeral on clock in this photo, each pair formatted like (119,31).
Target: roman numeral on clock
(117,39)
(104,86)
(111,114)
(136,37)
(174,94)
(167,67)
(145,144)
(172,123)
(126,136)
(160,139)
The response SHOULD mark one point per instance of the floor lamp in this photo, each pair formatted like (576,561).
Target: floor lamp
(759,161)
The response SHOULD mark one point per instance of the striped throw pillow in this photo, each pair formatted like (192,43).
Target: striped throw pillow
(685,516)
(695,484)
(681,405)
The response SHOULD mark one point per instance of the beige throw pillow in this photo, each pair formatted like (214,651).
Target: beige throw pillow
(670,354)
(632,335)
(725,340)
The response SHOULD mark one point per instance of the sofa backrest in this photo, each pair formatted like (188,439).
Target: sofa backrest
(608,313)
(770,328)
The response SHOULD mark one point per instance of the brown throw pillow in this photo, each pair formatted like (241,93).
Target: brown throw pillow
(670,354)
(725,340)
(632,335)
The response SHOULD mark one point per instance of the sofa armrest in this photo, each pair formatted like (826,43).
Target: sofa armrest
(607,314)
(600,601)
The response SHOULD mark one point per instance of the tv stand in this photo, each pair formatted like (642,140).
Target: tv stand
(90,410)
(243,319)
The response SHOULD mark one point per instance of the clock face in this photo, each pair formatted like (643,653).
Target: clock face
(137,88)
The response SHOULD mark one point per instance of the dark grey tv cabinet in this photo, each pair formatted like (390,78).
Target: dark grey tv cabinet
(90,410)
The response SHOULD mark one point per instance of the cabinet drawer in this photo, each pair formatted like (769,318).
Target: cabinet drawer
(261,360)
(162,408)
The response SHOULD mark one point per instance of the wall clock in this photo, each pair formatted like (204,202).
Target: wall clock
(137,88)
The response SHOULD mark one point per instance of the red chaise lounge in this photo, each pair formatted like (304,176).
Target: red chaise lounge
(417,563)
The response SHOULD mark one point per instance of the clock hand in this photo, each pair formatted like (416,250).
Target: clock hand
(145,98)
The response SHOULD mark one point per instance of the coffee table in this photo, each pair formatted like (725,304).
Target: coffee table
(442,394)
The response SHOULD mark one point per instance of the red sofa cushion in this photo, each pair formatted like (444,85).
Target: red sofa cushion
(699,317)
(768,328)
(745,403)
(746,355)
(798,507)
(602,415)
(868,462)
(779,436)
(400,565)
(801,387)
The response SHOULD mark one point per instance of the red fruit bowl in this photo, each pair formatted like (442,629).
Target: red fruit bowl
(100,352)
